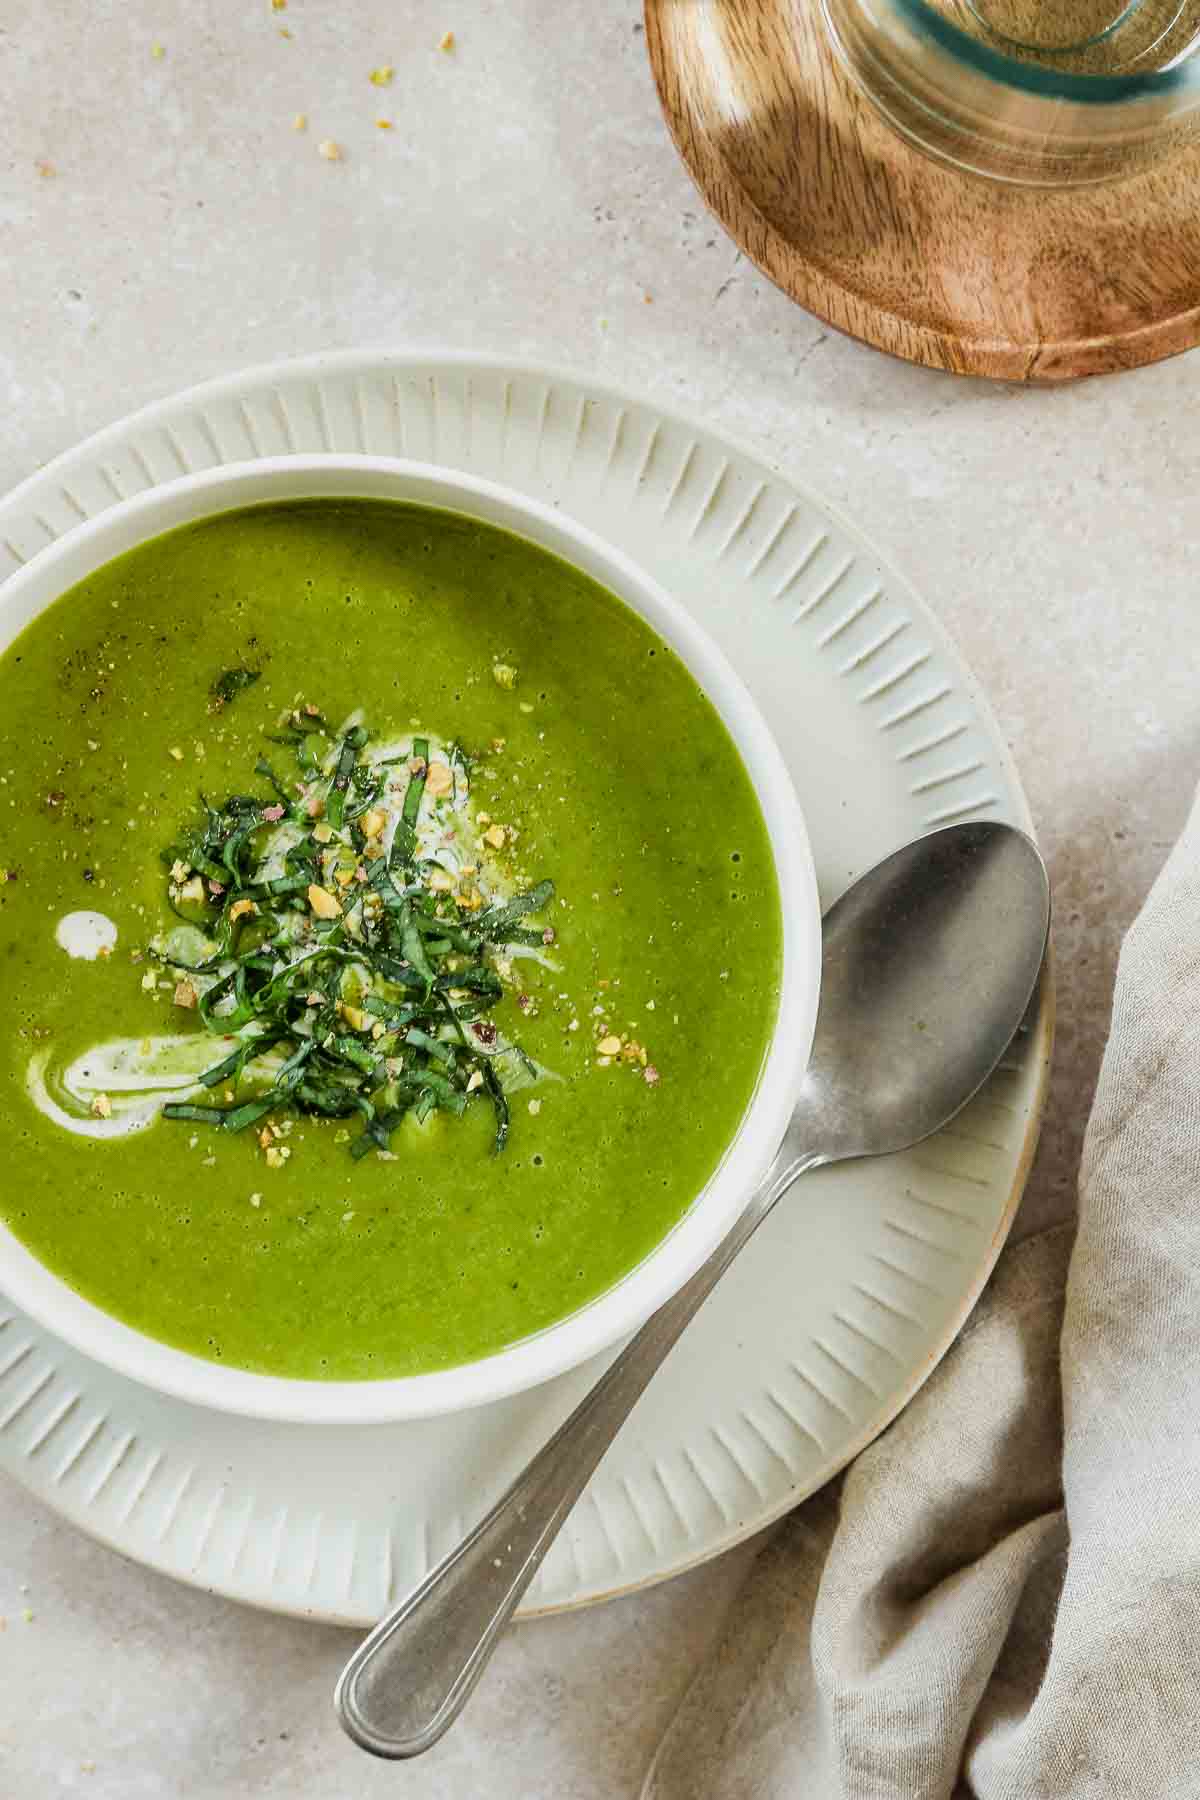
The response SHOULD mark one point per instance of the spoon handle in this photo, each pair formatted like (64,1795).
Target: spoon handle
(407,1682)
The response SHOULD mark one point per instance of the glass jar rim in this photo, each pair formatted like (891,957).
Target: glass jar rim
(1040,79)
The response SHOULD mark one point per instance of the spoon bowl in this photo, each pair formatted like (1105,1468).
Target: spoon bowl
(927,967)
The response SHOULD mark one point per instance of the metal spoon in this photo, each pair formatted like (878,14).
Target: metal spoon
(929,964)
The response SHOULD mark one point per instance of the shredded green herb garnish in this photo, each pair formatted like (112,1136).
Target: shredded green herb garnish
(405,840)
(333,954)
(231,682)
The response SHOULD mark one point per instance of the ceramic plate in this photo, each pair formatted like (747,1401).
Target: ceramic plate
(850,1293)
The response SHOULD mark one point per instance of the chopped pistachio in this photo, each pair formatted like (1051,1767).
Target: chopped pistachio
(323,903)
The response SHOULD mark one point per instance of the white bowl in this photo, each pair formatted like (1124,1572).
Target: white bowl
(631,1300)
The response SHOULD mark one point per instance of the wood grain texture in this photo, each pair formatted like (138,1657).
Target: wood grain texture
(892,248)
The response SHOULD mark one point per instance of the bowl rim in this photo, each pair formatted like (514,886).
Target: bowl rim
(617,1311)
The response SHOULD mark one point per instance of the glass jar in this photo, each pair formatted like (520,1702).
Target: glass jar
(1041,93)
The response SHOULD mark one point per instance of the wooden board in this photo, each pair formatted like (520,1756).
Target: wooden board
(885,244)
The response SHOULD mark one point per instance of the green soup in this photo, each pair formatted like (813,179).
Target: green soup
(597,763)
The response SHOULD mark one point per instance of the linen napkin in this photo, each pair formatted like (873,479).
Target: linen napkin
(1001,1598)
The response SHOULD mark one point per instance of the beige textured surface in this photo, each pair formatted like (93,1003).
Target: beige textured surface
(527,199)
